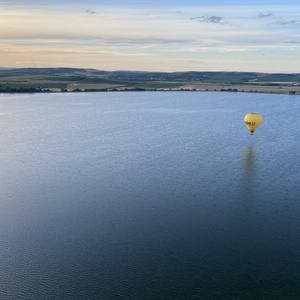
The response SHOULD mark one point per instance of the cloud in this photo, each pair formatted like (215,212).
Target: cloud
(145,40)
(288,22)
(265,15)
(90,12)
(151,38)
(209,19)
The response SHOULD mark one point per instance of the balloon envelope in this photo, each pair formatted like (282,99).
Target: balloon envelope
(253,121)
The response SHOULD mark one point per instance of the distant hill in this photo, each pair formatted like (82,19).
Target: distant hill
(80,79)
(212,77)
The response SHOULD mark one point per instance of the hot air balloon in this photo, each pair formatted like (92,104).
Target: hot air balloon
(253,121)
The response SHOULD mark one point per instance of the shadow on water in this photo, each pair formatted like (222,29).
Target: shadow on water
(247,189)
(249,164)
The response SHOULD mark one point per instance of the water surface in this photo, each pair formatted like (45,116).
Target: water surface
(149,196)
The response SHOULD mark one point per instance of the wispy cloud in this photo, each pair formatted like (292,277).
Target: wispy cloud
(288,22)
(90,12)
(209,19)
(264,15)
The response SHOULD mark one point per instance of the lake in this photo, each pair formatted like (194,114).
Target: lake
(149,196)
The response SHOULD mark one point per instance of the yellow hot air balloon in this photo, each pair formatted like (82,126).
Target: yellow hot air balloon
(253,121)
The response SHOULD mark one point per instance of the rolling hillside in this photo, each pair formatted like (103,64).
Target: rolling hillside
(77,80)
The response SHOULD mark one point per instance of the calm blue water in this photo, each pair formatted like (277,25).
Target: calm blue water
(149,196)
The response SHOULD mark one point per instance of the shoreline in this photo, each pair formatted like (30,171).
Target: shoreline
(222,90)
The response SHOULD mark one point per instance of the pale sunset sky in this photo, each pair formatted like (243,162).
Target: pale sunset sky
(221,35)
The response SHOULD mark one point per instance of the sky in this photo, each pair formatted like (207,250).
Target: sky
(152,35)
